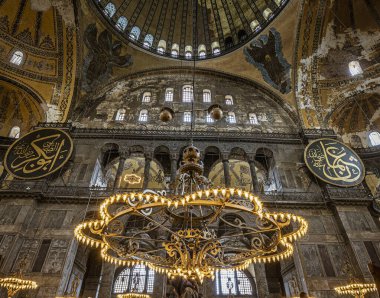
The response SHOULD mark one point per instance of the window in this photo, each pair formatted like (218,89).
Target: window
(374,138)
(15,132)
(202,51)
(255,25)
(17,58)
(122,23)
(187,117)
(135,33)
(120,115)
(143,116)
(355,68)
(109,10)
(209,119)
(231,282)
(161,46)
(175,50)
(187,93)
(215,48)
(231,117)
(188,52)
(146,97)
(206,95)
(267,13)
(169,92)
(229,100)
(148,40)
(138,279)
(253,118)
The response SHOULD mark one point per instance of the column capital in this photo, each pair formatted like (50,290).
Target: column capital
(124,154)
(251,157)
(174,156)
(148,156)
(224,156)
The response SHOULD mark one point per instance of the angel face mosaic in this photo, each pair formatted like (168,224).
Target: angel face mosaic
(38,153)
(334,163)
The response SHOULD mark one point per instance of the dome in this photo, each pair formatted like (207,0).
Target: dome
(188,29)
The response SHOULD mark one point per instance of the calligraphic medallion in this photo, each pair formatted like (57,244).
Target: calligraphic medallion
(38,153)
(335,163)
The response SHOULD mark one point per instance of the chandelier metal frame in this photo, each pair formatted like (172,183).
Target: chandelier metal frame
(356,289)
(14,285)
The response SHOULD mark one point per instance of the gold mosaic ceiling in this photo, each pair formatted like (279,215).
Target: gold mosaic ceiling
(184,26)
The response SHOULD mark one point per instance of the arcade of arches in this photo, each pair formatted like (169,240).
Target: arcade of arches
(109,72)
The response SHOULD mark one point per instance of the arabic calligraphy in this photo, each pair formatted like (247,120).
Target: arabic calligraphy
(334,163)
(132,178)
(38,153)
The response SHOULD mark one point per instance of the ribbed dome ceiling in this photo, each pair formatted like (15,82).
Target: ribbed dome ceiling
(167,27)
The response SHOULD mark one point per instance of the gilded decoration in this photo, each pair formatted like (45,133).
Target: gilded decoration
(334,163)
(38,153)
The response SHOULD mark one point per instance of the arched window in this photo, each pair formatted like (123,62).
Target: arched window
(143,117)
(253,118)
(135,33)
(355,68)
(15,132)
(231,117)
(175,50)
(120,115)
(17,57)
(169,93)
(138,279)
(202,51)
(215,47)
(122,23)
(206,95)
(374,138)
(267,13)
(242,35)
(255,25)
(161,46)
(231,282)
(209,118)
(147,96)
(278,2)
(229,42)
(148,40)
(188,52)
(229,100)
(109,10)
(187,93)
(187,117)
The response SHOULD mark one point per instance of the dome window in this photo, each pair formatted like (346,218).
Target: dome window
(147,96)
(215,47)
(135,33)
(255,26)
(120,115)
(267,14)
(279,2)
(109,10)
(15,132)
(253,119)
(202,51)
(209,119)
(206,95)
(242,35)
(374,138)
(187,93)
(17,58)
(355,68)
(175,50)
(231,118)
(143,117)
(122,23)
(161,46)
(188,52)
(228,42)
(148,41)
(187,117)
(229,100)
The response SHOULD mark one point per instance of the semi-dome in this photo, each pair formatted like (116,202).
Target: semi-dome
(189,29)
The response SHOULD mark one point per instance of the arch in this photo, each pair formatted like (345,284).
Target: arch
(143,116)
(122,23)
(17,57)
(161,48)
(210,157)
(108,153)
(109,10)
(135,33)
(120,114)
(162,156)
(228,99)
(14,132)
(139,279)
(148,40)
(136,149)
(238,153)
(374,138)
(267,174)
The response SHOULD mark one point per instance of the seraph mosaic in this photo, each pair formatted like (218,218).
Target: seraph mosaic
(265,53)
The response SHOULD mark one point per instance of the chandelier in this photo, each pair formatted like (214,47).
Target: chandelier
(192,230)
(356,289)
(133,295)
(14,285)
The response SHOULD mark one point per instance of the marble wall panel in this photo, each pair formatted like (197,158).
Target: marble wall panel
(56,256)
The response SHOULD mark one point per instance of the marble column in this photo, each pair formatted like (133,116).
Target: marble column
(173,167)
(226,168)
(148,159)
(120,169)
(252,168)
(261,281)
(106,281)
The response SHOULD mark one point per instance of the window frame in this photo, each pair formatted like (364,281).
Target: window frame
(187,96)
(187,117)
(15,58)
(143,115)
(231,118)
(147,97)
(107,12)
(120,114)
(148,282)
(169,94)
(236,282)
(377,135)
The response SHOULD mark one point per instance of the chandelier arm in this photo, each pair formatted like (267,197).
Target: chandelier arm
(250,233)
(152,220)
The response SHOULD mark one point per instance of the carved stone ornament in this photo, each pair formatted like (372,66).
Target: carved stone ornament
(334,163)
(38,153)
